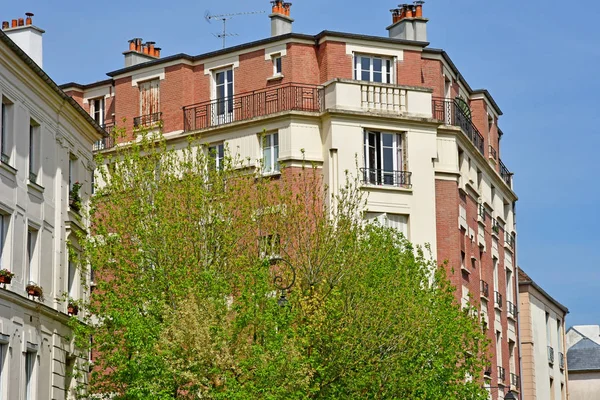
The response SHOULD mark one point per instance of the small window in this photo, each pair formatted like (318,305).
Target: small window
(71,275)
(32,236)
(29,371)
(3,352)
(277,65)
(270,149)
(97,110)
(217,155)
(34,146)
(373,69)
(4,221)
(4,126)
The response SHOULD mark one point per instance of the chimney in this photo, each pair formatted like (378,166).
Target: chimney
(140,52)
(27,36)
(281,23)
(408,22)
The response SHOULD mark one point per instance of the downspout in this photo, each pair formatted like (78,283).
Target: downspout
(518,305)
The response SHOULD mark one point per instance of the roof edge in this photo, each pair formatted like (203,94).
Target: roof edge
(530,282)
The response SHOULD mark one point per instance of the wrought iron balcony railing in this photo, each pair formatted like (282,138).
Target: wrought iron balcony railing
(511,309)
(550,355)
(485,289)
(32,177)
(498,299)
(561,360)
(451,113)
(495,226)
(505,174)
(482,212)
(258,103)
(4,158)
(107,142)
(493,153)
(509,239)
(488,371)
(108,128)
(147,120)
(501,374)
(514,380)
(386,178)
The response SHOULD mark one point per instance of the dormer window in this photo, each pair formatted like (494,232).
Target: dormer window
(373,68)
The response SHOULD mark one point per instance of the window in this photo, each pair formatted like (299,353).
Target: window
(383,159)
(394,221)
(548,332)
(3,235)
(224,95)
(217,155)
(373,69)
(30,356)
(31,255)
(499,348)
(4,151)
(97,110)
(34,145)
(270,149)
(277,65)
(71,289)
(149,103)
(3,352)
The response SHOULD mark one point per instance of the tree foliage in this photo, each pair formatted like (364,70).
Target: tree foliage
(190,260)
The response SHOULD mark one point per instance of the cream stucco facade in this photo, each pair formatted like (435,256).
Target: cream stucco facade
(46,146)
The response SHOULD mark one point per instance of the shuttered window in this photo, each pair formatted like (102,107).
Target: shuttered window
(149,97)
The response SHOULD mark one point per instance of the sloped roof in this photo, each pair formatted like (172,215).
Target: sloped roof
(584,356)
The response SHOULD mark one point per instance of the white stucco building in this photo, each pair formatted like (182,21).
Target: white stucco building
(45,142)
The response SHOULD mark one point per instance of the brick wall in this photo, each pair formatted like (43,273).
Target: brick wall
(127,104)
(409,69)
(333,61)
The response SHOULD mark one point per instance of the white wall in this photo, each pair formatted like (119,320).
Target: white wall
(584,386)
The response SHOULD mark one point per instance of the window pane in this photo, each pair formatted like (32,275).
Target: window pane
(275,156)
(267,159)
(275,139)
(388,159)
(230,75)
(377,77)
(365,63)
(220,78)
(278,65)
(377,65)
(388,139)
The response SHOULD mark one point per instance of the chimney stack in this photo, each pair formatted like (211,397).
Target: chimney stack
(408,22)
(27,36)
(140,52)
(281,23)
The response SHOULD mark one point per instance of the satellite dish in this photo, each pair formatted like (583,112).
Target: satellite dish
(207,16)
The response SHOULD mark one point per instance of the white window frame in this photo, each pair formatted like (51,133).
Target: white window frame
(34,151)
(4,225)
(386,72)
(30,373)
(72,279)
(222,110)
(216,153)
(4,153)
(270,146)
(4,342)
(277,64)
(381,175)
(97,113)
(32,254)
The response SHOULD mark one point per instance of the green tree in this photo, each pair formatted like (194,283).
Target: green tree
(217,283)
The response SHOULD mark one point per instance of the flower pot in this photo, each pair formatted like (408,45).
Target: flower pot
(34,291)
(72,309)
(5,279)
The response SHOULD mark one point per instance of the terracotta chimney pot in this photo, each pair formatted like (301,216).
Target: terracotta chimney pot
(150,48)
(21,22)
(419,9)
(409,12)
(5,25)
(13,23)
(157,52)
(28,20)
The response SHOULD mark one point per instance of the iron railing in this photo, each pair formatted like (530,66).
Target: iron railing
(485,289)
(385,177)
(498,299)
(107,142)
(495,226)
(488,371)
(501,374)
(511,308)
(561,360)
(482,212)
(493,152)
(509,239)
(450,112)
(33,177)
(4,158)
(505,174)
(245,106)
(108,128)
(147,120)
(550,355)
(514,380)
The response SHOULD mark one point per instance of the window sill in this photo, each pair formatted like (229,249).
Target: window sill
(465,270)
(512,317)
(275,174)
(35,187)
(508,247)
(497,307)
(8,168)
(386,188)
(483,297)
(276,77)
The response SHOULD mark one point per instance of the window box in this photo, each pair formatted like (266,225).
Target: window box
(6,276)
(34,290)
(550,355)
(75,198)
(72,309)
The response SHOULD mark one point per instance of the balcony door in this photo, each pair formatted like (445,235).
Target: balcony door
(223,112)
(382,158)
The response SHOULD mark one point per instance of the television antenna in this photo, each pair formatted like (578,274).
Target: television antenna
(224,17)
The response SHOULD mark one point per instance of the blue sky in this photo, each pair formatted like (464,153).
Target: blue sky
(539,59)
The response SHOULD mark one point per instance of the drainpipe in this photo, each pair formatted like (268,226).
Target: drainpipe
(518,304)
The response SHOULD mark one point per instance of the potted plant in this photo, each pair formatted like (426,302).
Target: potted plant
(6,276)
(35,290)
(75,197)
(72,309)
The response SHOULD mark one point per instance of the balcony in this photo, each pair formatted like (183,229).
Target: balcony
(108,128)
(451,112)
(493,154)
(505,174)
(509,239)
(107,142)
(485,289)
(381,177)
(550,355)
(498,300)
(249,105)
(481,212)
(148,120)
(514,381)
(561,361)
(501,374)
(488,371)
(511,309)
(495,227)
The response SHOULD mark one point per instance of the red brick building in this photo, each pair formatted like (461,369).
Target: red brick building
(428,145)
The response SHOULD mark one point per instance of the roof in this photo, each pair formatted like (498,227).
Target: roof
(584,356)
(40,72)
(301,36)
(75,85)
(525,280)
